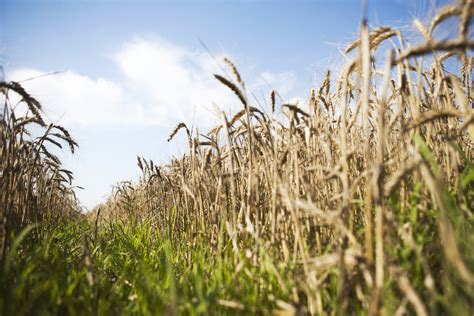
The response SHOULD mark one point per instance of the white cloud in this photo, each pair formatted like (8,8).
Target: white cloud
(74,99)
(160,84)
(175,83)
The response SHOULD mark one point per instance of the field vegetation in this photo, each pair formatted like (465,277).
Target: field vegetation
(359,202)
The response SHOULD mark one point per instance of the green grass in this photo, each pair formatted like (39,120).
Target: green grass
(131,270)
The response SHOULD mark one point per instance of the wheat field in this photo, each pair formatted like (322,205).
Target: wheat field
(359,202)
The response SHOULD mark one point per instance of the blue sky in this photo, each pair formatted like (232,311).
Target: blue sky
(131,70)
